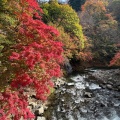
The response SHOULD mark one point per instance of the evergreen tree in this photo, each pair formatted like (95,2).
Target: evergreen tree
(76,4)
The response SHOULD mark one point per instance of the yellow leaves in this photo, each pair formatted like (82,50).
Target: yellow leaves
(8,19)
(3,2)
(66,20)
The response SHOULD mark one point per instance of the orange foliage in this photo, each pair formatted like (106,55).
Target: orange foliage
(85,56)
(116,60)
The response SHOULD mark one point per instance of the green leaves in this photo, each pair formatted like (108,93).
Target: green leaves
(6,19)
(65,16)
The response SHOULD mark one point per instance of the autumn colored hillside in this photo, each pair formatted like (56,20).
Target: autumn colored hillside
(36,40)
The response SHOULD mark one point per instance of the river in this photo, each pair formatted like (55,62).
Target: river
(92,95)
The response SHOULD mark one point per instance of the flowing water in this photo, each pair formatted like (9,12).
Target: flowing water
(93,95)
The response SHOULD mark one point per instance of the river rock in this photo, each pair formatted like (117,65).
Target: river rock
(70,84)
(110,82)
(59,82)
(39,111)
(83,110)
(33,104)
(67,66)
(119,88)
(41,118)
(88,94)
(109,86)
(94,86)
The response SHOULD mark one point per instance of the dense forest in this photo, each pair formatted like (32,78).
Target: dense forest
(37,40)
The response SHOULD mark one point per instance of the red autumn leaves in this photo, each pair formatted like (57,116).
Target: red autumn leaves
(37,56)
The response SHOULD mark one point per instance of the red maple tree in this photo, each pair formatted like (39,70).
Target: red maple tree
(36,57)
